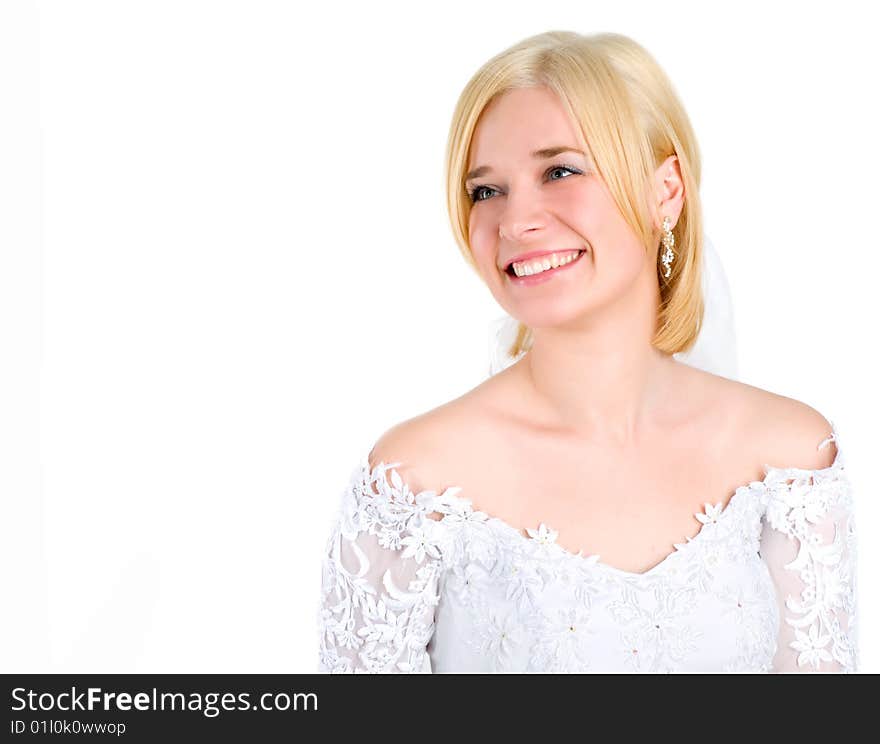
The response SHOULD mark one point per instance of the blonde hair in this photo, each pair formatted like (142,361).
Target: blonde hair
(631,120)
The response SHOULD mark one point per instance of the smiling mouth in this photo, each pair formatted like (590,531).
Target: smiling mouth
(510,272)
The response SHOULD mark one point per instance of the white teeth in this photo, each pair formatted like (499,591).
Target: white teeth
(536,266)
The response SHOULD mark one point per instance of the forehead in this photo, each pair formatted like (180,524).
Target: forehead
(518,122)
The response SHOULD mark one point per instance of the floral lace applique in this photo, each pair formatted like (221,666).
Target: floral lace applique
(380,578)
(520,602)
(813,510)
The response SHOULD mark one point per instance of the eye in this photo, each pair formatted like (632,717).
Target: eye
(475,192)
(561,168)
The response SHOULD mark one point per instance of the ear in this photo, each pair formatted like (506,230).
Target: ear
(668,191)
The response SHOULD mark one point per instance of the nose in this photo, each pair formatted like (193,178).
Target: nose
(520,217)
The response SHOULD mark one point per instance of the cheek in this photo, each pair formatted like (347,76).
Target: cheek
(589,210)
(482,239)
(576,199)
(580,208)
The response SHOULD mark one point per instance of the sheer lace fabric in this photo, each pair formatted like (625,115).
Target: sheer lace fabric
(766,585)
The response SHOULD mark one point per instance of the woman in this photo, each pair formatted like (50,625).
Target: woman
(620,510)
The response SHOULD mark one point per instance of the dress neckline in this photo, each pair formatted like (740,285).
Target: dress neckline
(710,517)
(456,508)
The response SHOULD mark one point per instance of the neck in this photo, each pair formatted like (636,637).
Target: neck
(600,378)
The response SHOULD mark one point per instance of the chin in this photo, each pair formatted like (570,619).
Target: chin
(553,318)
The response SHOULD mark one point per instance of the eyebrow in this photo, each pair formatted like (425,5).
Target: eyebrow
(542,154)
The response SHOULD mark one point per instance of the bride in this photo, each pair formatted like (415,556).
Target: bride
(620,508)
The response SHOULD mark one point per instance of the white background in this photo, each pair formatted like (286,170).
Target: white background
(226,269)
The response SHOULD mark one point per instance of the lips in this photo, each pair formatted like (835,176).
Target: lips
(528,280)
(510,272)
(537,254)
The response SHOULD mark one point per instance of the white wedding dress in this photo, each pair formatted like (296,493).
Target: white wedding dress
(766,585)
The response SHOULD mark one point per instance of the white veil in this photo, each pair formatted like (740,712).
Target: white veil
(714,350)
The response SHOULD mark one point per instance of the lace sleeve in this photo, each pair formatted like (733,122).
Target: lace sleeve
(808,543)
(380,577)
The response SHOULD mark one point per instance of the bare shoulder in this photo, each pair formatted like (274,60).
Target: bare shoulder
(429,447)
(413,445)
(799,431)
(788,432)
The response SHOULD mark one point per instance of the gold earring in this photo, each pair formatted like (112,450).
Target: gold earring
(668,242)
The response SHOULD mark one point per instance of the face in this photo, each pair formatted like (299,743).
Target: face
(526,204)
